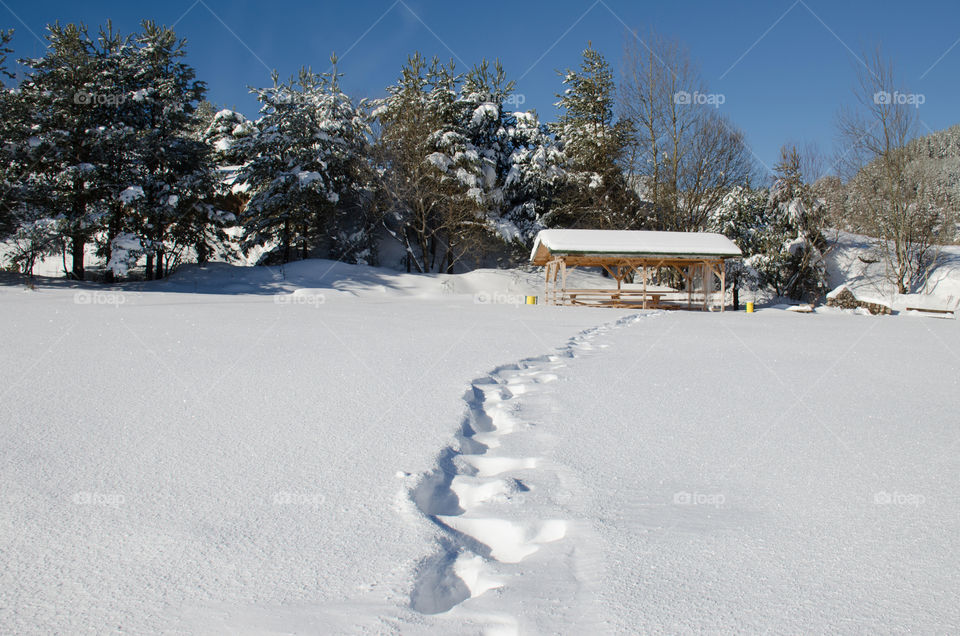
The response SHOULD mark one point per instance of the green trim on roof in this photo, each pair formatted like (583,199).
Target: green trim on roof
(622,253)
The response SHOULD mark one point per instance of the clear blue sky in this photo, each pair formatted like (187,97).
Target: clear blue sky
(783,66)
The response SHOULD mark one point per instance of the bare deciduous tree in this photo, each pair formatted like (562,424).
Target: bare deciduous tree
(684,154)
(891,188)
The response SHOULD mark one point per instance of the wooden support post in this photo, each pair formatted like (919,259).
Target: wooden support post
(706,279)
(563,278)
(546,282)
(723,286)
(644,286)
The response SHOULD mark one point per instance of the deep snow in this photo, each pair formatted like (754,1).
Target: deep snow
(334,449)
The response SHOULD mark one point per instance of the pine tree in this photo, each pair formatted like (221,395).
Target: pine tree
(791,258)
(535,178)
(12,132)
(305,169)
(176,172)
(461,174)
(597,194)
(28,233)
(119,164)
(518,165)
(225,131)
(742,217)
(473,152)
(345,133)
(420,140)
(68,105)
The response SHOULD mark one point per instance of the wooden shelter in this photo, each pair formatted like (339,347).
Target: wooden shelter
(634,259)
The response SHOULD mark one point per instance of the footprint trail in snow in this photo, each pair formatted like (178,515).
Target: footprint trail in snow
(494,505)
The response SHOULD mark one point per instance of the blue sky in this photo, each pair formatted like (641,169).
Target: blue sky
(784,67)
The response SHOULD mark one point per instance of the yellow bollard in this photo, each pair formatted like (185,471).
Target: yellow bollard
(531,300)
(749,308)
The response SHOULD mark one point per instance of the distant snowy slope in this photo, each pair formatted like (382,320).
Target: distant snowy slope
(854,263)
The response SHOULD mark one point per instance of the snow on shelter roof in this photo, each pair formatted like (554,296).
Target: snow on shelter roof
(630,243)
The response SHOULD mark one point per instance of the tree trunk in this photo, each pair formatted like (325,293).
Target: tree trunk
(149,272)
(78,240)
(285,243)
(77,247)
(202,252)
(113,229)
(448,257)
(736,296)
(63,257)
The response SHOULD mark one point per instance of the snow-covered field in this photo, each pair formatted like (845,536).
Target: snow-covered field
(336,449)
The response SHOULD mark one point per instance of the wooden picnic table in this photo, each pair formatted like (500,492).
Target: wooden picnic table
(615,297)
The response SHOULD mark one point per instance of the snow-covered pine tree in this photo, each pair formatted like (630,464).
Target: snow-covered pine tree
(177,175)
(535,177)
(29,233)
(484,118)
(790,260)
(224,132)
(345,136)
(70,97)
(307,156)
(596,194)
(6,35)
(419,136)
(459,173)
(201,226)
(516,162)
(473,152)
(119,165)
(25,223)
(12,133)
(742,217)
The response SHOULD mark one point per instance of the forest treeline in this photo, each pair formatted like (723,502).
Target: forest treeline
(112,154)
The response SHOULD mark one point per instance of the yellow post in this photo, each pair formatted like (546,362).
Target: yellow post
(531,300)
(749,308)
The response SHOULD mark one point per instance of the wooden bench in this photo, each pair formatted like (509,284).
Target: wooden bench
(950,312)
(612,297)
(924,304)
